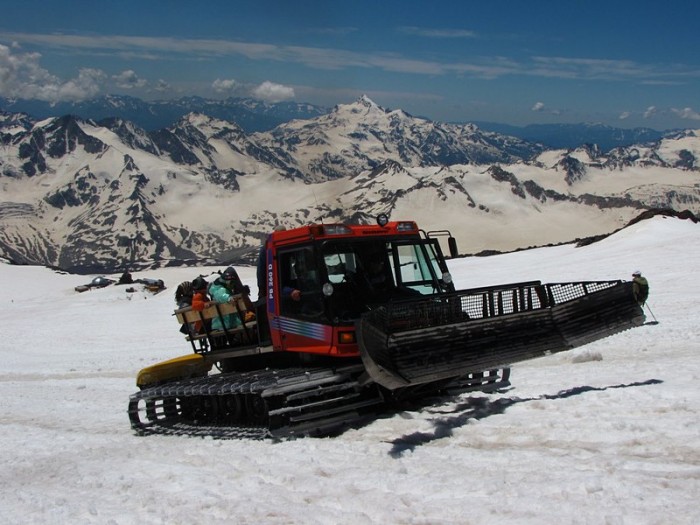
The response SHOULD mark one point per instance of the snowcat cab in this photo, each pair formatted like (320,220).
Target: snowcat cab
(342,272)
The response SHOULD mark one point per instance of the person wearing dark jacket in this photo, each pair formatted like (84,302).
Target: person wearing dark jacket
(640,288)
(183,294)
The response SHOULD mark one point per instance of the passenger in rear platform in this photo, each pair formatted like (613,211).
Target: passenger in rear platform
(183,294)
(222,291)
(200,299)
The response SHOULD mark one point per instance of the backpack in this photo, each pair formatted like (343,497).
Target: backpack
(643,292)
(183,294)
(641,289)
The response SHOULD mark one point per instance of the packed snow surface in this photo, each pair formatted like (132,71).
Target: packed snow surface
(605,434)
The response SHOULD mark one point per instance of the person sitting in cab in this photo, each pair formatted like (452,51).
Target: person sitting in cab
(301,290)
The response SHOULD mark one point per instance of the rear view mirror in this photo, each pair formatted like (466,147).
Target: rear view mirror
(452,244)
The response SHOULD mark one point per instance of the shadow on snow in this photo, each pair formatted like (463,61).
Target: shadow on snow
(481,408)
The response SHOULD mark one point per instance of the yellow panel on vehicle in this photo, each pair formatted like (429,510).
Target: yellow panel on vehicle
(182,367)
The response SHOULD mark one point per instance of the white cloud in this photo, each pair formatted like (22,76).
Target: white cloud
(650,112)
(437,33)
(224,86)
(334,31)
(624,115)
(162,85)
(129,79)
(21,76)
(331,58)
(539,106)
(687,113)
(271,92)
(87,85)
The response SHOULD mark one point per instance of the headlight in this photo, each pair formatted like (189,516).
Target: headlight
(447,278)
(327,289)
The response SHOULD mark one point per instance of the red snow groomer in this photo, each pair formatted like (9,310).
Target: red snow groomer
(351,318)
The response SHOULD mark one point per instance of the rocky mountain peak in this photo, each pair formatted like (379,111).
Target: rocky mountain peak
(364,107)
(367,102)
(388,167)
(13,123)
(208,126)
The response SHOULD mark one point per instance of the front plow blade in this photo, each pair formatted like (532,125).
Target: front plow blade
(442,337)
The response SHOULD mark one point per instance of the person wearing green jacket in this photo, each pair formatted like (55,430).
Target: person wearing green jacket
(640,287)
(221,291)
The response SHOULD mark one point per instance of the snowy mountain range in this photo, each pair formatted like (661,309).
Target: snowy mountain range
(91,196)
(254,116)
(573,135)
(250,114)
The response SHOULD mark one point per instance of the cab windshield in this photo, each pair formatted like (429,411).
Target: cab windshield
(364,274)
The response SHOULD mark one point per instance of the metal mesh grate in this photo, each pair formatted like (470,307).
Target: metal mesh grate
(480,303)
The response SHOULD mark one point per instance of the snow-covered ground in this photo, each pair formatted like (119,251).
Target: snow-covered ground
(606,434)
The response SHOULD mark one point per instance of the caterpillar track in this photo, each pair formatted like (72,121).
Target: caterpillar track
(259,404)
(273,403)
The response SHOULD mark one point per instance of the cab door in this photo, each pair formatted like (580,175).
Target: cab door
(302,323)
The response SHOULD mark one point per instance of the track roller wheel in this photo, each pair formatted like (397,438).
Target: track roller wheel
(210,406)
(232,408)
(256,408)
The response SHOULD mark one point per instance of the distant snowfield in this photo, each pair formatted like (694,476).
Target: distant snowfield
(605,434)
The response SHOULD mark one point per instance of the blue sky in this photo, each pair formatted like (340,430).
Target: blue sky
(623,63)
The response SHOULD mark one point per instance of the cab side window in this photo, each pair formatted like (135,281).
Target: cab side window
(300,285)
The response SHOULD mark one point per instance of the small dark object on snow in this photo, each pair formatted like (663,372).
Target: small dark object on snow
(97,282)
(126,278)
(152,285)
